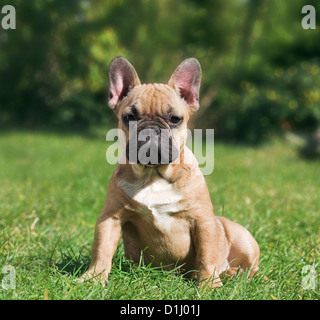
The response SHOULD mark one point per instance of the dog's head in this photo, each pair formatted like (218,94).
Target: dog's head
(154,116)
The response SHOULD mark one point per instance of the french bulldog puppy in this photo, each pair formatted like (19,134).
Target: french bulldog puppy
(156,200)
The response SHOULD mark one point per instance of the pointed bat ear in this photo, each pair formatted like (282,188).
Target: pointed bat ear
(186,81)
(122,78)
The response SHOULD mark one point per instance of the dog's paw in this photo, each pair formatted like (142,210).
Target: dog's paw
(94,276)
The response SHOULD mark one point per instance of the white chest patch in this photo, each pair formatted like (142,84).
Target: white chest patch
(159,199)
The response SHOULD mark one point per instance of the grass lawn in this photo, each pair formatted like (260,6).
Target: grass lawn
(53,188)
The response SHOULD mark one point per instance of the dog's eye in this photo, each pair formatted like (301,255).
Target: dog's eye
(129,117)
(174,120)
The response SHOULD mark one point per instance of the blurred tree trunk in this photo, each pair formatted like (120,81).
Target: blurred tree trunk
(253,7)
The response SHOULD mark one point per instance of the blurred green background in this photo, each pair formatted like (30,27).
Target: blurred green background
(261,69)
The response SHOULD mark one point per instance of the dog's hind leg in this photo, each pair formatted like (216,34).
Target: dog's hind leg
(244,250)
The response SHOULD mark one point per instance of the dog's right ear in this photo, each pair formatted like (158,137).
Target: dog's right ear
(122,78)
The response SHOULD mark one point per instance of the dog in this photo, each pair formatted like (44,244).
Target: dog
(163,208)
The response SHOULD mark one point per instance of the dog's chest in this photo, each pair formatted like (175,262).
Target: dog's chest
(158,200)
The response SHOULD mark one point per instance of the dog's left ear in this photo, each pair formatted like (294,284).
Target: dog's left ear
(122,78)
(186,81)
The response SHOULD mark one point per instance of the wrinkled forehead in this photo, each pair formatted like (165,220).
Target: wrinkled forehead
(154,99)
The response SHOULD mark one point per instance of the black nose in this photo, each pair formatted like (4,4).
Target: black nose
(149,131)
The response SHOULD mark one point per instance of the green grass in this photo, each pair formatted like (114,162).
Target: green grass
(53,188)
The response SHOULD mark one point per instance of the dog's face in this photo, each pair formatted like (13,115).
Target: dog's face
(154,116)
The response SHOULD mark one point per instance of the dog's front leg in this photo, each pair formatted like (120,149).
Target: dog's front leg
(106,237)
(206,241)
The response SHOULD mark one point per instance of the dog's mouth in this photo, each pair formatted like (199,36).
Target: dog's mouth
(151,145)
